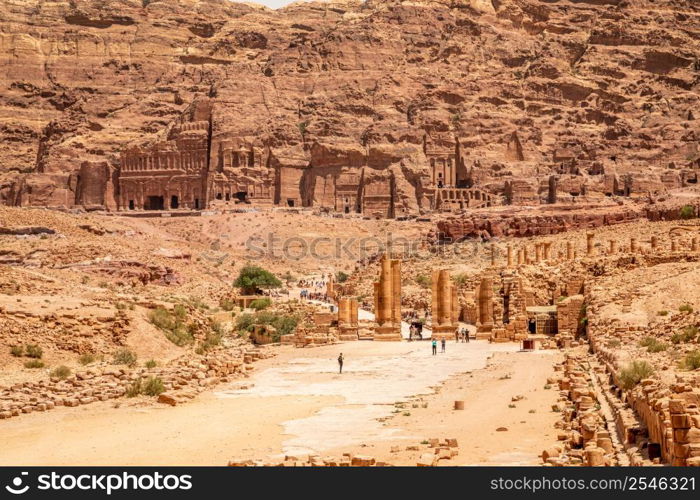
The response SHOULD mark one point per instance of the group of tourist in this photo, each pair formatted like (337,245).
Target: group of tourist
(461,335)
(305,294)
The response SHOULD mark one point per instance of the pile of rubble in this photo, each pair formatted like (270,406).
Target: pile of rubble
(182,379)
(584,438)
(441,450)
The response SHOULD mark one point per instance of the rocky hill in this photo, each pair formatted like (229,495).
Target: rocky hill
(518,84)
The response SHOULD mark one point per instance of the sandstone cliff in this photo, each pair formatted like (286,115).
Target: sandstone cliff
(518,83)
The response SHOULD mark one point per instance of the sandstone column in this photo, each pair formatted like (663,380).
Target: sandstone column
(589,245)
(388,300)
(694,245)
(633,245)
(654,242)
(509,255)
(569,250)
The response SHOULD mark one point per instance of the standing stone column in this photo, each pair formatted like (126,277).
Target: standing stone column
(509,255)
(547,250)
(538,253)
(633,245)
(654,242)
(589,245)
(484,307)
(613,247)
(694,245)
(445,304)
(396,293)
(493,255)
(569,250)
(388,300)
(674,245)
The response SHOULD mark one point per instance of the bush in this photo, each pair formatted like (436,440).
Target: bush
(614,343)
(17,351)
(341,277)
(172,323)
(653,345)
(691,360)
(61,372)
(134,389)
(260,304)
(33,351)
(662,313)
(423,280)
(687,335)
(245,322)
(634,373)
(686,308)
(153,386)
(34,363)
(687,212)
(180,335)
(251,279)
(86,359)
(282,323)
(226,304)
(124,357)
(151,363)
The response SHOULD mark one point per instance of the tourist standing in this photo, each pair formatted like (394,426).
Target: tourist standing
(340,363)
(442,344)
(434,347)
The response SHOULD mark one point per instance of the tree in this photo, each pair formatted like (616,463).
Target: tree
(252,279)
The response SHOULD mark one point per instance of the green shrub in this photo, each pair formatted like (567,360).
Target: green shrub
(134,389)
(341,277)
(653,345)
(17,351)
(124,356)
(34,363)
(153,386)
(687,335)
(614,343)
(61,372)
(634,373)
(33,351)
(423,280)
(151,363)
(172,323)
(686,308)
(691,360)
(245,322)
(120,306)
(86,359)
(260,304)
(251,279)
(662,313)
(687,212)
(180,335)
(227,304)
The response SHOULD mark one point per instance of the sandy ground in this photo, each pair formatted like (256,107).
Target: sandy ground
(298,403)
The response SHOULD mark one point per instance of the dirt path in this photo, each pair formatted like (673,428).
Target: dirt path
(298,403)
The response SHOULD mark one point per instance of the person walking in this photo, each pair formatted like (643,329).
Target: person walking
(442,344)
(434,347)
(466,335)
(340,363)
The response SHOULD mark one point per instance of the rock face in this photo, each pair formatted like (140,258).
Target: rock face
(356,107)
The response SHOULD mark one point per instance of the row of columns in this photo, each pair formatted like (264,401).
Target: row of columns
(543,251)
